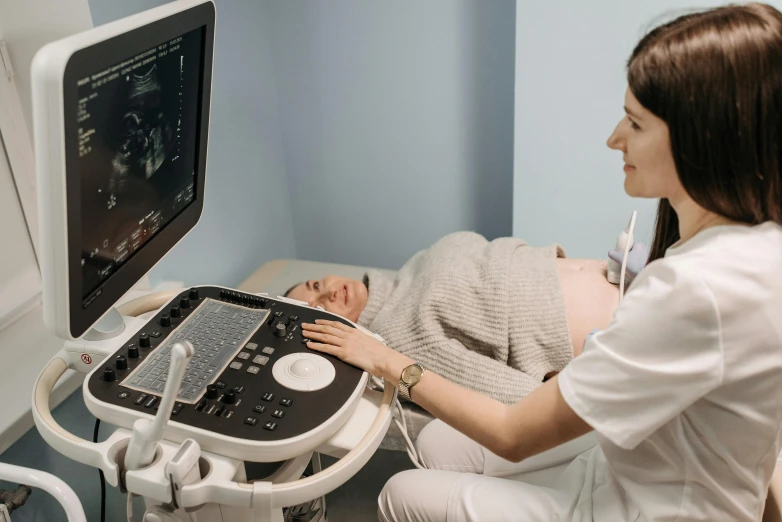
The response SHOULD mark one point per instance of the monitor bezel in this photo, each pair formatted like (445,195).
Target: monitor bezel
(84,312)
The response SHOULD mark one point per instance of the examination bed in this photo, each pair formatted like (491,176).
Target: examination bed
(277,276)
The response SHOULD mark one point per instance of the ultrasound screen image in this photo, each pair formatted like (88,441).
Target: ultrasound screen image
(137,151)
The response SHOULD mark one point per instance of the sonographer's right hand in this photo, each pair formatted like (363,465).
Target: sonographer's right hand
(351,345)
(636,259)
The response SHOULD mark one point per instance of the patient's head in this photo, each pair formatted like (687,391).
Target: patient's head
(339,295)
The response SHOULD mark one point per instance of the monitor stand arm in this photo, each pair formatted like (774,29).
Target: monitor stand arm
(107,327)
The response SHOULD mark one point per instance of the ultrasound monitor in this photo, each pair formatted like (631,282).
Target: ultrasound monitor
(121,118)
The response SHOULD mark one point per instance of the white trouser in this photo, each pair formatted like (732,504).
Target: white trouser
(463,482)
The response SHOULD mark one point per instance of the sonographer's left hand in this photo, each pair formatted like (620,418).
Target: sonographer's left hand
(349,344)
(636,259)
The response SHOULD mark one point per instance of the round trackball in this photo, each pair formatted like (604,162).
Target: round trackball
(304,371)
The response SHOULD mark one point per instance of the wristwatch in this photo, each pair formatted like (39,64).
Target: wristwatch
(410,377)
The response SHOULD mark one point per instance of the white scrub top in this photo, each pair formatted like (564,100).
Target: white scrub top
(684,387)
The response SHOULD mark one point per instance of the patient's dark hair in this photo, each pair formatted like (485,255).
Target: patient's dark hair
(289,290)
(715,78)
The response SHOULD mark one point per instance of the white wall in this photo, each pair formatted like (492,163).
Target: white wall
(570,84)
(397,123)
(26,25)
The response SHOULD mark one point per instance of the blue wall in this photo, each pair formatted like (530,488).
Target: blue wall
(570,84)
(357,132)
(397,122)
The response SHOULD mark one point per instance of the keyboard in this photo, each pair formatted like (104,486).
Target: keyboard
(217,330)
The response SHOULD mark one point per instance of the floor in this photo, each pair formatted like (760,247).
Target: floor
(356,500)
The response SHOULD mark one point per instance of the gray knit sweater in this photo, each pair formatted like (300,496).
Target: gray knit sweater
(489,316)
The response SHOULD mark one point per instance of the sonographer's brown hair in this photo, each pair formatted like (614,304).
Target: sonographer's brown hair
(715,77)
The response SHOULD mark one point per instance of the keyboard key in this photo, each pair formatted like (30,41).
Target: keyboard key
(268,397)
(252,421)
(253,369)
(177,408)
(271,426)
(236,365)
(259,408)
(278,414)
(251,346)
(239,389)
(220,384)
(141,398)
(244,355)
(268,350)
(285,402)
(151,402)
(260,359)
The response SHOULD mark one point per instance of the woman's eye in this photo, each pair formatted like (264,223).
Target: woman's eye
(316,286)
(634,125)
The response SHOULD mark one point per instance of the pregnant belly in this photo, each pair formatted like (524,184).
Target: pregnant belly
(590,300)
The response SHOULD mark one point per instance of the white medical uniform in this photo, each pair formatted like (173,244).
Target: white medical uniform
(683,389)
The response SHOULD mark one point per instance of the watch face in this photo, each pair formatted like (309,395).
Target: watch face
(411,374)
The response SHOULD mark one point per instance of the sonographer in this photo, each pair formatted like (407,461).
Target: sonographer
(684,386)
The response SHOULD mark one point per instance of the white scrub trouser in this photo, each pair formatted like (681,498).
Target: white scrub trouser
(463,482)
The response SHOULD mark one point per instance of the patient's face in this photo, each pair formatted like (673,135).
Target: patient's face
(339,295)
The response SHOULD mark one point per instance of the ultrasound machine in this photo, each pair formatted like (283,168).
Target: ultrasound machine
(219,404)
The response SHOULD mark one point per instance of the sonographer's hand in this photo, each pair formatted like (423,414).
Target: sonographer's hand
(636,259)
(349,344)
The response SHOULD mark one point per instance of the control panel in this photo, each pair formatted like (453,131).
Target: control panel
(252,377)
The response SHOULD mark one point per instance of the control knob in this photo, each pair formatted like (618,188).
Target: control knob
(165,320)
(193,294)
(176,312)
(184,303)
(211,391)
(229,397)
(144,341)
(109,375)
(133,351)
(121,362)
(280,330)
